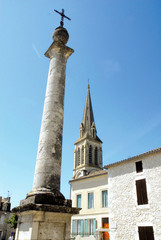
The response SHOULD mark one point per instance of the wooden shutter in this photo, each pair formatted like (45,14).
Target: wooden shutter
(81,228)
(94,227)
(142,197)
(86,227)
(139,166)
(146,233)
(73,228)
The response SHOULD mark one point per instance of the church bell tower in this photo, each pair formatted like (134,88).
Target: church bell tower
(88,147)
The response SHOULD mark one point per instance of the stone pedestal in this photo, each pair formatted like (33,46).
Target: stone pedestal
(40,222)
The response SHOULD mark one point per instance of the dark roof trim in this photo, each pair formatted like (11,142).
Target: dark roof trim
(135,157)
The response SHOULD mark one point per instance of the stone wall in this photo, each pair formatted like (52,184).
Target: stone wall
(5,214)
(39,225)
(125,213)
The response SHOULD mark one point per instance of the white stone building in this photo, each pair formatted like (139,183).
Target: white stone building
(135,197)
(89,187)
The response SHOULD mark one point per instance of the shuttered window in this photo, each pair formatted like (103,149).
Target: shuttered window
(146,233)
(84,227)
(92,226)
(141,191)
(139,166)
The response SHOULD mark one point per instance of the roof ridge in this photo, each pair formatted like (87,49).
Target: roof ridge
(134,157)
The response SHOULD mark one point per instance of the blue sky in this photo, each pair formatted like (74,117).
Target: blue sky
(117,46)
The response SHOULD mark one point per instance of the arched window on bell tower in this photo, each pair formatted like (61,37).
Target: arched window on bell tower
(82,154)
(90,154)
(96,156)
(78,156)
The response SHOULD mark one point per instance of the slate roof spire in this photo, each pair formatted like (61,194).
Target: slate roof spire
(88,117)
(88,147)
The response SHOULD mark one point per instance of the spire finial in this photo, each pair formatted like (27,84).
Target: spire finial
(88,84)
(62,17)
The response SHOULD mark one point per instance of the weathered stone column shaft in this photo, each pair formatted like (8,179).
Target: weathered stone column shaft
(48,164)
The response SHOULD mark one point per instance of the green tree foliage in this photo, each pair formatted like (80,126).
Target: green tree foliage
(13,221)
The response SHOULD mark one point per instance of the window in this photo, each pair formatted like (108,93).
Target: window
(93,132)
(79,201)
(146,233)
(105,224)
(84,227)
(141,191)
(77,227)
(90,200)
(96,156)
(92,226)
(82,154)
(73,228)
(104,198)
(90,154)
(78,156)
(139,166)
(89,227)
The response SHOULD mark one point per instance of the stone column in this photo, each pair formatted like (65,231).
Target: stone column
(45,214)
(48,164)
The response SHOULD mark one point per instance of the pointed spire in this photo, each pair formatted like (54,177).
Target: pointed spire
(88,118)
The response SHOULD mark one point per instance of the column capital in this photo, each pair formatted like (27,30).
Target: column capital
(60,37)
(58,47)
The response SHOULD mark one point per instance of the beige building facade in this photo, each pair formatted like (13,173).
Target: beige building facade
(90,193)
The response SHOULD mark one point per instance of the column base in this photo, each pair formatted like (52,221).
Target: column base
(46,196)
(44,222)
(44,215)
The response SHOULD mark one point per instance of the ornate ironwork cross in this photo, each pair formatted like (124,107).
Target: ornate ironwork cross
(62,17)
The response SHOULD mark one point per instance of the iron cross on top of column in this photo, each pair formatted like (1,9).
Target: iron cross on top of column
(62,17)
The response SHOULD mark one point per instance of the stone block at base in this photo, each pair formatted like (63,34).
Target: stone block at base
(49,224)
